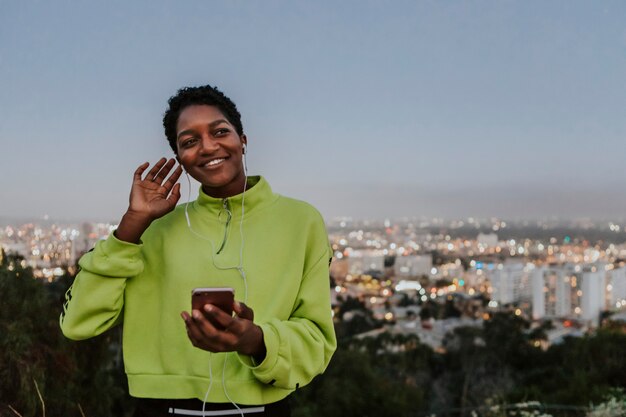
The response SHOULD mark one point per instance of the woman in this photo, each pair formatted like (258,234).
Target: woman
(272,250)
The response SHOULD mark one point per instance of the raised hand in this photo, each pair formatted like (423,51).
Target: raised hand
(156,194)
(151,197)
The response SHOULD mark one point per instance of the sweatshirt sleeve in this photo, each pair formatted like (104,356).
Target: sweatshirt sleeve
(300,348)
(95,301)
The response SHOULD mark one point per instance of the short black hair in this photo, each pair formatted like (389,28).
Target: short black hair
(190,96)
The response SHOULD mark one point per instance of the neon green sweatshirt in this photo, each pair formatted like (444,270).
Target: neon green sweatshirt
(285,258)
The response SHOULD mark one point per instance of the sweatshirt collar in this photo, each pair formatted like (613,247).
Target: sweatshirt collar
(259,194)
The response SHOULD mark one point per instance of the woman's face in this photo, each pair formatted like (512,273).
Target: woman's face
(210,150)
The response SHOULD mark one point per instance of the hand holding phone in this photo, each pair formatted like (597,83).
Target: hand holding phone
(243,335)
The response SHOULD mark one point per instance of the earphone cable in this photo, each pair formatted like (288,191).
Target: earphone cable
(239,268)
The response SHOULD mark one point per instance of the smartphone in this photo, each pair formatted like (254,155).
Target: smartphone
(221,297)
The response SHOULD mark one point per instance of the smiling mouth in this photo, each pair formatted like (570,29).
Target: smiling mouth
(213,162)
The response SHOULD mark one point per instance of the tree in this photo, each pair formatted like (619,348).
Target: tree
(35,358)
(383,376)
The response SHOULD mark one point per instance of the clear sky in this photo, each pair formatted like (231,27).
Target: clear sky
(363,108)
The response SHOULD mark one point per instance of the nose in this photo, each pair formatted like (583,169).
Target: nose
(209,145)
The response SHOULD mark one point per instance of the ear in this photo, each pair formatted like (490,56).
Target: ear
(244,142)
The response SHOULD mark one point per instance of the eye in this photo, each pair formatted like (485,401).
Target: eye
(187,142)
(221,132)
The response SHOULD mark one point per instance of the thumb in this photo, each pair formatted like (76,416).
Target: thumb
(243,311)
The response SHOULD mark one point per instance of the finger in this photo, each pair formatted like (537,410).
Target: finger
(155,169)
(243,311)
(192,333)
(217,316)
(164,171)
(174,195)
(201,329)
(140,170)
(205,324)
(173,178)
(202,334)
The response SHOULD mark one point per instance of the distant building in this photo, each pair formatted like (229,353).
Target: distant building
(364,260)
(616,288)
(592,300)
(511,283)
(413,265)
(16,248)
(569,290)
(538,291)
(487,239)
(551,292)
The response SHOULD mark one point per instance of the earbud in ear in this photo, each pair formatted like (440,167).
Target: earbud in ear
(243,148)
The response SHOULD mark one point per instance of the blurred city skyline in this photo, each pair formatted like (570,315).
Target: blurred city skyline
(364,109)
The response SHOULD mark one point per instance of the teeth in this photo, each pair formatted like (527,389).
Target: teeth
(214,162)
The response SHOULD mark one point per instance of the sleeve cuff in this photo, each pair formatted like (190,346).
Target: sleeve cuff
(264,370)
(115,258)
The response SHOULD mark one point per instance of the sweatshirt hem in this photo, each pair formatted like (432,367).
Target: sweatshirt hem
(247,392)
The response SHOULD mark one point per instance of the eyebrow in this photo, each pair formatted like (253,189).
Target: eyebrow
(211,125)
